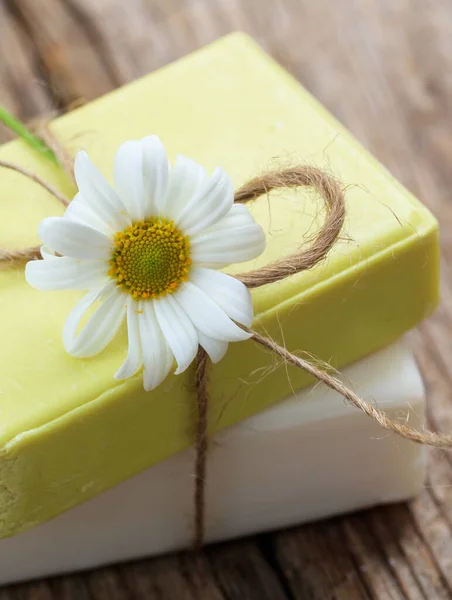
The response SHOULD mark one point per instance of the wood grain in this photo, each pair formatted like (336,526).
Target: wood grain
(385,69)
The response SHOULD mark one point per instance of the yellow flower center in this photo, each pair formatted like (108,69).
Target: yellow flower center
(151,258)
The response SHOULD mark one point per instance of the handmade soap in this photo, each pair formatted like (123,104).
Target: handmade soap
(68,430)
(307,458)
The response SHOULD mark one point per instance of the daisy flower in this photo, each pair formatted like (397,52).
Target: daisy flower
(149,251)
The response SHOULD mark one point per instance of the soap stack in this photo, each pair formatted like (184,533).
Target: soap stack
(93,471)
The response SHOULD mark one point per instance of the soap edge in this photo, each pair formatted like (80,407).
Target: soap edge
(12,490)
(271,313)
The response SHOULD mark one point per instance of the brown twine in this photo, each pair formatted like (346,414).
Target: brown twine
(429,438)
(201,444)
(328,188)
(333,197)
(62,155)
(11,258)
(23,171)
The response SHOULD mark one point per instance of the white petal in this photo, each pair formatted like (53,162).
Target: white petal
(185,179)
(209,205)
(134,358)
(214,348)
(155,175)
(101,327)
(230,294)
(207,316)
(178,331)
(228,246)
(238,216)
(157,356)
(129,178)
(96,193)
(80,212)
(48,254)
(74,239)
(64,273)
(76,315)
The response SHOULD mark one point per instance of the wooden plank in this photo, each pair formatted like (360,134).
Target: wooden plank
(73,587)
(68,56)
(21,88)
(384,69)
(187,577)
(128,36)
(243,572)
(317,564)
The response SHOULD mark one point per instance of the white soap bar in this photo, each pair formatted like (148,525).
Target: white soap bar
(310,457)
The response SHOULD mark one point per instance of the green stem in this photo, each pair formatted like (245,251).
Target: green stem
(22,131)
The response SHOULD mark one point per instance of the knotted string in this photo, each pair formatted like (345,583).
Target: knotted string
(305,258)
(332,194)
(328,188)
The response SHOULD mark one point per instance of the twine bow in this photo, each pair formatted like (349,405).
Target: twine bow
(331,192)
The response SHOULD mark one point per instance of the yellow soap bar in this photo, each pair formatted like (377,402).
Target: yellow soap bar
(68,430)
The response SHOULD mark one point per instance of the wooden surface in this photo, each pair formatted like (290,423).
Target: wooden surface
(384,67)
